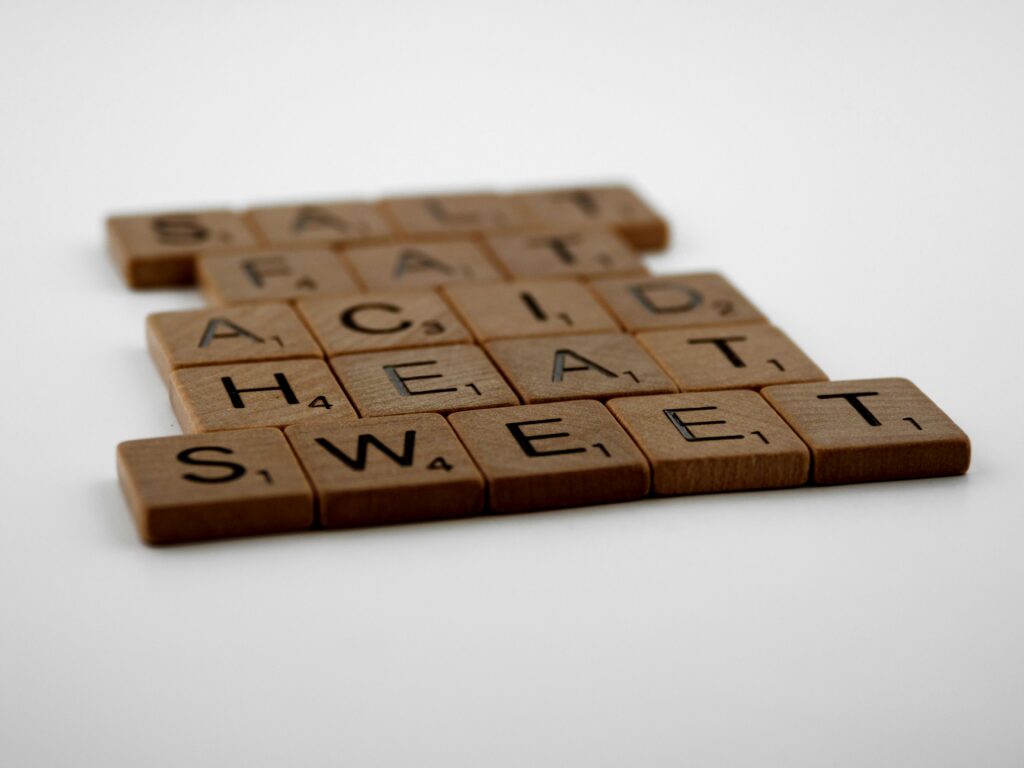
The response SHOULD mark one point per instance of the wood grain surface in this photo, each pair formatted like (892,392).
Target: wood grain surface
(872,429)
(706,442)
(528,308)
(320,223)
(382,320)
(617,208)
(580,251)
(157,250)
(273,274)
(444,215)
(274,394)
(395,469)
(238,334)
(552,455)
(438,379)
(748,356)
(195,487)
(421,264)
(675,301)
(588,366)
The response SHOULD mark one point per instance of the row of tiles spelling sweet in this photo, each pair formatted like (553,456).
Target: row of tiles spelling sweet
(160,249)
(339,473)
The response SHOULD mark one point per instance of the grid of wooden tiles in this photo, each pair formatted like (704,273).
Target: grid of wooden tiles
(445,356)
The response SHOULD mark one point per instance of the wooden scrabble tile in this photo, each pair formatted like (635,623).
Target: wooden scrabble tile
(552,455)
(529,308)
(244,333)
(707,442)
(195,487)
(872,429)
(615,207)
(339,223)
(675,301)
(598,365)
(395,469)
(729,357)
(421,264)
(378,321)
(154,250)
(443,215)
(215,397)
(441,379)
(565,252)
(264,274)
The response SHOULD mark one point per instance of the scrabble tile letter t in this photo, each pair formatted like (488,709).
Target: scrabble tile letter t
(873,429)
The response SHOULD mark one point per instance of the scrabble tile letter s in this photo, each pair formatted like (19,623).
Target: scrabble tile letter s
(194,487)
(160,249)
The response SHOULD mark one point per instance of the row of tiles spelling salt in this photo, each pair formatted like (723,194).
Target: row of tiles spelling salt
(532,457)
(160,249)
(349,323)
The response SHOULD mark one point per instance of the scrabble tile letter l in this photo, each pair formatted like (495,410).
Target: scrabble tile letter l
(616,207)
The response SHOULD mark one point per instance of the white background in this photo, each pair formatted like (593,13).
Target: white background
(855,167)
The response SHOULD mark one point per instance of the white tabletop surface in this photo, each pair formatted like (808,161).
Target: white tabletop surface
(856,169)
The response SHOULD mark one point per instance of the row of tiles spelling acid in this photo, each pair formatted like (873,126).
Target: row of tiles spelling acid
(363,322)
(269,273)
(161,249)
(336,473)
